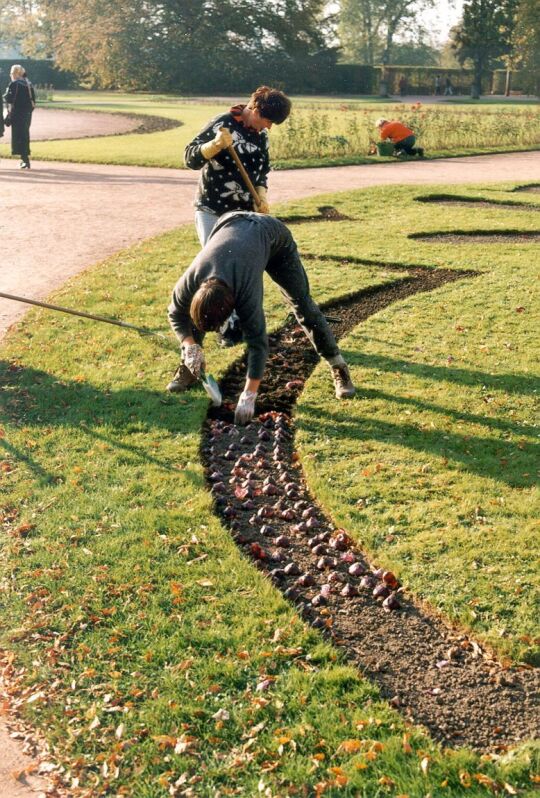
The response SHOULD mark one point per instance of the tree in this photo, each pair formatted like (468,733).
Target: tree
(174,44)
(483,35)
(22,25)
(368,28)
(414,52)
(526,43)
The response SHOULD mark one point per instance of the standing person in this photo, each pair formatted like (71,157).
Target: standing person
(402,86)
(228,273)
(437,84)
(21,101)
(401,136)
(1,117)
(448,88)
(221,187)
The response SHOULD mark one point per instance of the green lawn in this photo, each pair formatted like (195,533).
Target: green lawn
(143,638)
(320,131)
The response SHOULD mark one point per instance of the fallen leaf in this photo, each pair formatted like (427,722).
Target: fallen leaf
(407,748)
(486,781)
(350,746)
(164,741)
(465,778)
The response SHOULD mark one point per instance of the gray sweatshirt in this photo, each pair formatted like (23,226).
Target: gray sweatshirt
(237,252)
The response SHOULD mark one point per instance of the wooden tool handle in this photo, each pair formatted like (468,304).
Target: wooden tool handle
(245,177)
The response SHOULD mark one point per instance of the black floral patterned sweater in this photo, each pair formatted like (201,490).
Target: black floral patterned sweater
(221,187)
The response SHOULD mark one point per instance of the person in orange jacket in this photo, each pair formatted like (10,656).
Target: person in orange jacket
(401,136)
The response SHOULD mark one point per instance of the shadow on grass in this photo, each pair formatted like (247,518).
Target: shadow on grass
(483,456)
(509,383)
(498,459)
(35,399)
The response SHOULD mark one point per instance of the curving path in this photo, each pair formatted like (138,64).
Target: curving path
(61,218)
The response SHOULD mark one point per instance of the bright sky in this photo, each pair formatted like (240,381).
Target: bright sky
(442,17)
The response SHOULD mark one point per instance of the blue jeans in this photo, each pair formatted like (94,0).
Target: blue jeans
(204,224)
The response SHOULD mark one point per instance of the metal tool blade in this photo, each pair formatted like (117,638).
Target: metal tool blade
(212,389)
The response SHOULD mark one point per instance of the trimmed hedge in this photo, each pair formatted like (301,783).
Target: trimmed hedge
(309,75)
(40,71)
(421,79)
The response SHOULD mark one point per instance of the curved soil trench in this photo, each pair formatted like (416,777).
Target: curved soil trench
(59,124)
(480,237)
(534,188)
(434,674)
(452,200)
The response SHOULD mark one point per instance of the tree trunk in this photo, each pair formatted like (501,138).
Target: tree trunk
(508,82)
(476,88)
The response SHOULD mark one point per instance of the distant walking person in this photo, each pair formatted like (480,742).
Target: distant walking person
(221,186)
(401,136)
(402,85)
(448,88)
(21,101)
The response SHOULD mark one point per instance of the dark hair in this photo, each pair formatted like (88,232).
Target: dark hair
(272,104)
(211,305)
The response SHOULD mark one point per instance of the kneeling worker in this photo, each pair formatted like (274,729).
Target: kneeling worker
(401,136)
(227,274)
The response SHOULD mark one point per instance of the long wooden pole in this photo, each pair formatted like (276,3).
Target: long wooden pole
(246,178)
(82,314)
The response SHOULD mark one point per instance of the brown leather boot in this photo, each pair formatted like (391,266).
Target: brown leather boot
(182,381)
(342,382)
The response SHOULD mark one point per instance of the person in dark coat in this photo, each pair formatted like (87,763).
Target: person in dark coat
(21,101)
(1,117)
(221,186)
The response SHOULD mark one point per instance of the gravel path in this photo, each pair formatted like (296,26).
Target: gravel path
(60,218)
(70,216)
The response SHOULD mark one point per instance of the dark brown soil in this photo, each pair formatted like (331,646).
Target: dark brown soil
(446,199)
(534,188)
(480,237)
(327,213)
(142,123)
(434,674)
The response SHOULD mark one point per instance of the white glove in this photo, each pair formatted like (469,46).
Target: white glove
(193,357)
(222,140)
(245,407)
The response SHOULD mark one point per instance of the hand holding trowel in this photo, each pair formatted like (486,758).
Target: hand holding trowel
(210,385)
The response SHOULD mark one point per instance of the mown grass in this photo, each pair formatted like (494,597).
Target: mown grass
(145,637)
(320,132)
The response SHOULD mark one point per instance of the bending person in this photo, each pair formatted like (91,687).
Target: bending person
(228,274)
(221,186)
(401,136)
